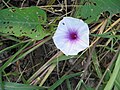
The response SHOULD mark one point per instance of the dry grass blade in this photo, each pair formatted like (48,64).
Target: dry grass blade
(42,69)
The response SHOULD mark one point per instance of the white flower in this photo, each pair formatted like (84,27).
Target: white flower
(71,36)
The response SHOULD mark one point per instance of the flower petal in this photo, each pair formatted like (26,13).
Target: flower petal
(68,49)
(85,39)
(81,45)
(71,22)
(83,30)
(73,48)
(59,40)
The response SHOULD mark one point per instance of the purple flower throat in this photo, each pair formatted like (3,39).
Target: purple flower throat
(73,35)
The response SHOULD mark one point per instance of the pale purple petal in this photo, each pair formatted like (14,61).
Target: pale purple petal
(71,36)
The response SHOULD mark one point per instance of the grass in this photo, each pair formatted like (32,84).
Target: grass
(30,64)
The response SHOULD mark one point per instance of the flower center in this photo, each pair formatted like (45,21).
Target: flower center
(73,35)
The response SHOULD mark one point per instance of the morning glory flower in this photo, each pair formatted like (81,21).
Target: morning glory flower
(71,36)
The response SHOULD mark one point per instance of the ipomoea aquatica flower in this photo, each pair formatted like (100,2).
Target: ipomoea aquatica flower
(71,36)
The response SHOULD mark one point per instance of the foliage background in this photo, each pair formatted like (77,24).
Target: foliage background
(29,59)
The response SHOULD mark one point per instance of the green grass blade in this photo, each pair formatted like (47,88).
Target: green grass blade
(79,85)
(106,35)
(86,87)
(62,79)
(2,86)
(96,64)
(68,84)
(13,57)
(17,86)
(29,51)
(117,82)
(113,75)
(11,47)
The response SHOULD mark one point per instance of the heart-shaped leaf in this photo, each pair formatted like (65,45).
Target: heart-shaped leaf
(23,22)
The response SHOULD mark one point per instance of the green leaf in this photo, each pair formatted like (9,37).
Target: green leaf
(17,86)
(91,9)
(23,22)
